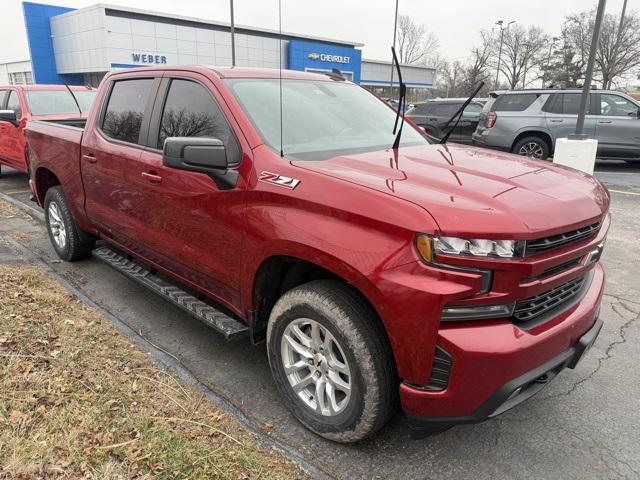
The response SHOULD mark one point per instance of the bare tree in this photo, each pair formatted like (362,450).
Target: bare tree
(451,79)
(477,68)
(521,53)
(415,44)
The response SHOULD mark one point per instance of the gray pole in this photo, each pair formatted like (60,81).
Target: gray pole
(495,84)
(233,39)
(588,78)
(395,27)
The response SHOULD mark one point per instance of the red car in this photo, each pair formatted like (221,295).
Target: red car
(457,280)
(22,103)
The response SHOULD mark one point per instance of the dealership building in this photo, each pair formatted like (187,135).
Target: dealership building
(78,47)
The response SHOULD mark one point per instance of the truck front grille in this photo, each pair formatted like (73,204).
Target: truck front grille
(532,308)
(547,243)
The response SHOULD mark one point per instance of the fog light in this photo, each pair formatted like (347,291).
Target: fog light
(482,312)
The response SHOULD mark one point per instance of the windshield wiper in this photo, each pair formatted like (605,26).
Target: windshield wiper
(458,114)
(401,102)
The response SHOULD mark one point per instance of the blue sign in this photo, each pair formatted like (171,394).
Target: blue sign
(149,58)
(316,56)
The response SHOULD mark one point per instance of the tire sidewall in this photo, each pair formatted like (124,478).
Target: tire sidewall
(348,418)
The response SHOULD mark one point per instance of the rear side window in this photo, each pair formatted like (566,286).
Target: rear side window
(13,103)
(488,107)
(421,109)
(125,109)
(566,104)
(3,94)
(515,102)
(444,109)
(191,111)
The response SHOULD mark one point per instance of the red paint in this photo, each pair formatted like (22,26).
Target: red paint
(12,142)
(356,216)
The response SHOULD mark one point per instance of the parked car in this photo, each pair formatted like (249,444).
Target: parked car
(459,280)
(22,103)
(528,122)
(433,115)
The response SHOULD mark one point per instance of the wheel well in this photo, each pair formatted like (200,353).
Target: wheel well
(535,133)
(45,179)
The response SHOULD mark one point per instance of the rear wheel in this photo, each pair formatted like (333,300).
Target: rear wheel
(69,242)
(534,147)
(331,362)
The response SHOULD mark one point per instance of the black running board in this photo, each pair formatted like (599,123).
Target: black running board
(229,327)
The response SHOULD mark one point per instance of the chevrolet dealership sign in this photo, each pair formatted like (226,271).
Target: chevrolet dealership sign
(323,57)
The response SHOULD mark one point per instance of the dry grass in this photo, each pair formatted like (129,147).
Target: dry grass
(77,400)
(8,211)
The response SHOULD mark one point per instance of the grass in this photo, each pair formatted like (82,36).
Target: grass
(77,400)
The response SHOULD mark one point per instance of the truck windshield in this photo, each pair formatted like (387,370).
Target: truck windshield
(53,102)
(320,119)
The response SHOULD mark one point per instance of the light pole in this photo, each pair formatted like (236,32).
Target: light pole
(553,43)
(500,23)
(233,39)
(588,77)
(395,28)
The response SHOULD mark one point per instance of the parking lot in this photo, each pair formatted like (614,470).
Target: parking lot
(584,424)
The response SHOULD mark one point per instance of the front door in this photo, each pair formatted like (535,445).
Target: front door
(108,149)
(12,138)
(187,224)
(618,127)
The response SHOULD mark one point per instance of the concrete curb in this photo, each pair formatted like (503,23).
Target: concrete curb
(28,209)
(169,362)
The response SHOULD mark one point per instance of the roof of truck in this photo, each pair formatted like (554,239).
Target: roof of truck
(43,86)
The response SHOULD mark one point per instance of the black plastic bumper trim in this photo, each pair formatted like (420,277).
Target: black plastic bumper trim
(511,393)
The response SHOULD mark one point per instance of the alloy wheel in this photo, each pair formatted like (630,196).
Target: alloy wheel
(316,367)
(56,225)
(532,149)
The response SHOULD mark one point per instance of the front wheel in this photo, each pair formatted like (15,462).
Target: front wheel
(534,147)
(331,361)
(69,242)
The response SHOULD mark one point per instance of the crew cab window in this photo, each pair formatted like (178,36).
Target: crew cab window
(3,94)
(190,111)
(617,106)
(125,109)
(518,102)
(13,103)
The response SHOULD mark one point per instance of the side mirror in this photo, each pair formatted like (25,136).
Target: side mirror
(9,116)
(204,155)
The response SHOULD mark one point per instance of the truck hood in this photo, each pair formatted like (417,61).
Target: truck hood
(476,192)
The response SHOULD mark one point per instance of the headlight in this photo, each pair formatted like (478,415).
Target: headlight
(428,246)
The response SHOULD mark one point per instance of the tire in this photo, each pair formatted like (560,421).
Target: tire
(69,242)
(534,147)
(354,342)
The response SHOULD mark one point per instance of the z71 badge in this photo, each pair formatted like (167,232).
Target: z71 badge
(279,180)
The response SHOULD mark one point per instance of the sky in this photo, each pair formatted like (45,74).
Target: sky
(455,23)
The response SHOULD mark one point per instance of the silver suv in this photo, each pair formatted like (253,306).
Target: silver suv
(528,122)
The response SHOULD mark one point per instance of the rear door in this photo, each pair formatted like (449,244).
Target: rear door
(184,220)
(11,135)
(117,140)
(562,115)
(618,127)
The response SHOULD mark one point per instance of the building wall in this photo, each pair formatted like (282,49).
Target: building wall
(36,17)
(379,73)
(7,69)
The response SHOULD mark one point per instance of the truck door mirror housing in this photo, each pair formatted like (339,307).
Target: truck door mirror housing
(198,154)
(9,116)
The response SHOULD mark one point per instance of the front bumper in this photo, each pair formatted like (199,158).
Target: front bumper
(514,392)
(494,359)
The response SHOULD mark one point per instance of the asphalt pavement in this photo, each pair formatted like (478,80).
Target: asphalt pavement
(583,425)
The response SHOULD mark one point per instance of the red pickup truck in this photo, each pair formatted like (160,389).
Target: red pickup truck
(22,103)
(456,280)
